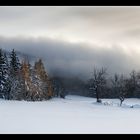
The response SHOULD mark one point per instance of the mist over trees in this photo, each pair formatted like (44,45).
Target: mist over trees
(21,80)
(117,86)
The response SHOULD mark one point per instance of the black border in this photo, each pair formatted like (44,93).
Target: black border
(69,3)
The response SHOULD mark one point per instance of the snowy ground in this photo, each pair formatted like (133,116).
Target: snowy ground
(75,114)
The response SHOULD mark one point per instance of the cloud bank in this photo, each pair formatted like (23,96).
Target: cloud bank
(73,39)
(73,59)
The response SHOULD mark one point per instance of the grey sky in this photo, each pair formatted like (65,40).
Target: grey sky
(87,36)
(72,23)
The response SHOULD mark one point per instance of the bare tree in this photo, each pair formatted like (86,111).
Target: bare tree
(119,87)
(122,88)
(121,99)
(115,82)
(98,81)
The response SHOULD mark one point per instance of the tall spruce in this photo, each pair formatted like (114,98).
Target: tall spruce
(14,75)
(6,88)
(45,83)
(2,73)
(26,78)
(14,62)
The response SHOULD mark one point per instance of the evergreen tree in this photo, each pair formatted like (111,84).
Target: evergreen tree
(26,76)
(4,75)
(6,88)
(17,91)
(14,63)
(14,75)
(45,83)
(37,92)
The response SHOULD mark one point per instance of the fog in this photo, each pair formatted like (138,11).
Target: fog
(74,59)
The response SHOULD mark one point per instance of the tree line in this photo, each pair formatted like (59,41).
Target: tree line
(117,86)
(22,81)
(19,80)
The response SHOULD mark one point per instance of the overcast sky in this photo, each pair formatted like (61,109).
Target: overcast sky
(75,38)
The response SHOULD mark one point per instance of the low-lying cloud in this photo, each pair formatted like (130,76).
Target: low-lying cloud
(69,59)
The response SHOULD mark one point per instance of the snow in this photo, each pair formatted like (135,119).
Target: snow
(75,114)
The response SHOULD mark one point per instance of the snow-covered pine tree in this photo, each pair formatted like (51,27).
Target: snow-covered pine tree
(17,91)
(36,83)
(45,83)
(2,73)
(33,84)
(6,88)
(14,76)
(26,74)
(14,63)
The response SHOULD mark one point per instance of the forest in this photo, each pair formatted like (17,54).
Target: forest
(19,80)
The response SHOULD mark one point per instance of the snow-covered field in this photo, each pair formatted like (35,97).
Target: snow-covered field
(75,114)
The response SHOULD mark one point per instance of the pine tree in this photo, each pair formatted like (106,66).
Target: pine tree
(26,76)
(14,63)
(6,88)
(45,83)
(17,91)
(37,91)
(4,75)
(14,75)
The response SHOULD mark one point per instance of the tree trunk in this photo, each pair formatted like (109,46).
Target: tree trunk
(121,100)
(121,103)
(97,95)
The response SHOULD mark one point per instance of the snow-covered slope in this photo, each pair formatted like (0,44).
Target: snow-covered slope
(75,114)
